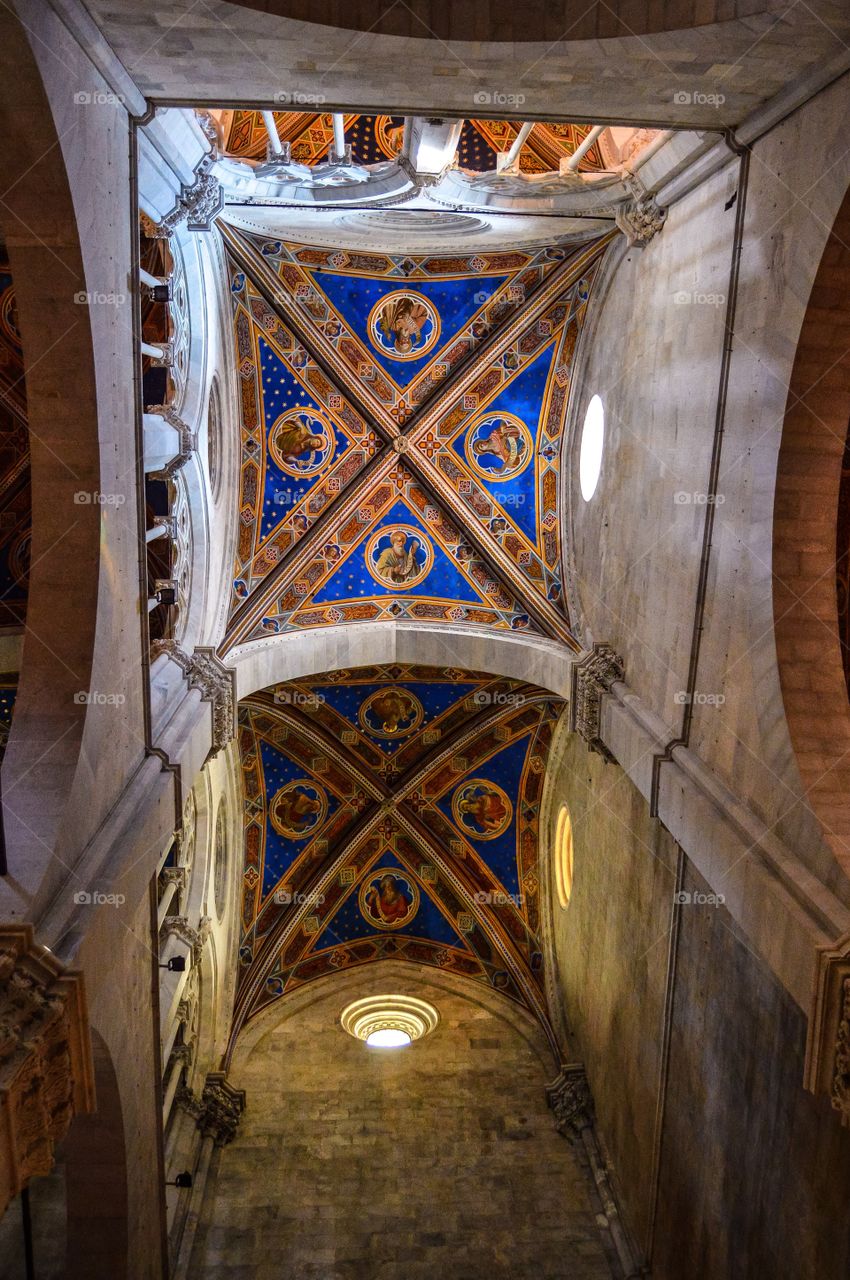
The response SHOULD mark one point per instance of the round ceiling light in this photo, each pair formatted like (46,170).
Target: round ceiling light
(592,441)
(389,1022)
(388,1038)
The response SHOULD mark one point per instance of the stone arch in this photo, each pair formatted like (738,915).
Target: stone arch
(501,21)
(40,225)
(804,540)
(96,1172)
(262,663)
(404,977)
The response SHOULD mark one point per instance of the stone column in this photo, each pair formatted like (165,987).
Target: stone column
(174,879)
(570,1098)
(506,160)
(46,1068)
(219,1114)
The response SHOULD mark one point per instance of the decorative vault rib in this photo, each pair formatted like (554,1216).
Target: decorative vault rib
(510,566)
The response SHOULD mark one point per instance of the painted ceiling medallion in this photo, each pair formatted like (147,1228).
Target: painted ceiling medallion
(400,556)
(499,446)
(387,899)
(391,713)
(482,809)
(404,325)
(302,442)
(299,809)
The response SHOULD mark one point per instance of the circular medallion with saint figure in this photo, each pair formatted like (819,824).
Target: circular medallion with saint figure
(399,556)
(388,899)
(482,809)
(499,446)
(404,325)
(299,809)
(302,442)
(391,713)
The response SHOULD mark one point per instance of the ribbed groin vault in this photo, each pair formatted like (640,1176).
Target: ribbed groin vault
(424,715)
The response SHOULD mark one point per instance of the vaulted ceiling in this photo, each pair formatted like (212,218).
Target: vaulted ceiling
(402,423)
(377,138)
(392,812)
(402,437)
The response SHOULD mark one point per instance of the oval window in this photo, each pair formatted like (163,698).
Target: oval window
(564,857)
(590,455)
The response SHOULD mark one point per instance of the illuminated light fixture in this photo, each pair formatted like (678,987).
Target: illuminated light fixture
(564,857)
(389,1022)
(592,442)
(388,1038)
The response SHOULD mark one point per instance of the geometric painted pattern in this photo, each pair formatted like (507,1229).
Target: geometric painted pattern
(392,811)
(402,423)
(374,139)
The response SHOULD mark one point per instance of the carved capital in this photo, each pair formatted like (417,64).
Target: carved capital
(174,875)
(189,1102)
(593,675)
(210,130)
(184,1053)
(640,218)
(195,939)
(187,441)
(199,204)
(570,1098)
(222,1107)
(827,1067)
(165,527)
(217,684)
(166,359)
(46,1072)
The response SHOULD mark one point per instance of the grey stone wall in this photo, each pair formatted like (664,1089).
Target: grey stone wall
(437,1160)
(727,1169)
